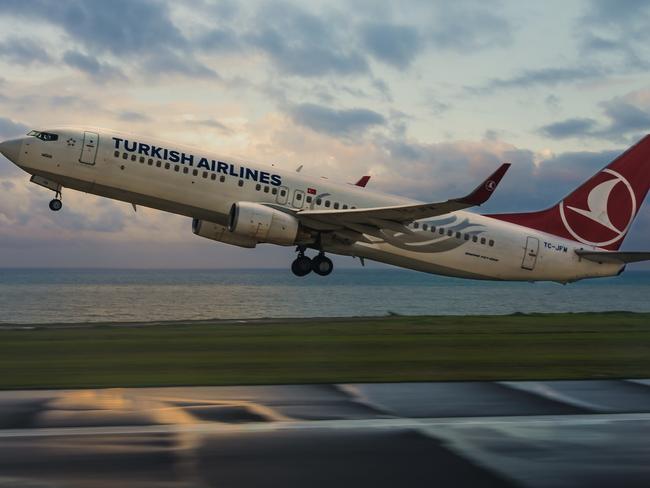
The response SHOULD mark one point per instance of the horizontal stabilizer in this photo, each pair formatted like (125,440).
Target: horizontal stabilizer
(614,257)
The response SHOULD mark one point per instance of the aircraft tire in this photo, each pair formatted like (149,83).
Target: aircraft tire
(322,265)
(301,266)
(55,205)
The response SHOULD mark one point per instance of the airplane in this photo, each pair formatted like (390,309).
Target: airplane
(245,204)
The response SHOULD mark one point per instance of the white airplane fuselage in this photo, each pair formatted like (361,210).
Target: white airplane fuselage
(462,244)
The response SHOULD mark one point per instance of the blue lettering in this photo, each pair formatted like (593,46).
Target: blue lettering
(232,170)
(222,167)
(174,156)
(130,149)
(155,152)
(143,148)
(117,142)
(276,180)
(264,177)
(203,164)
(252,174)
(213,165)
(165,153)
(187,158)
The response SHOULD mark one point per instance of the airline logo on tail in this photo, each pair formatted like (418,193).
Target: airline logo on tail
(603,213)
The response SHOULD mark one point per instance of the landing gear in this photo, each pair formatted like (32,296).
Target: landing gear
(322,265)
(55,205)
(303,265)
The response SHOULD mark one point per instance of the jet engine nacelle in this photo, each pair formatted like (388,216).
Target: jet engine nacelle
(217,232)
(263,224)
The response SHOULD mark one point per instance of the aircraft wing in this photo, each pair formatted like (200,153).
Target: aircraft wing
(622,257)
(385,216)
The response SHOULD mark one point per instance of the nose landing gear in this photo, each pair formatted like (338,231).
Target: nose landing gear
(303,265)
(56,203)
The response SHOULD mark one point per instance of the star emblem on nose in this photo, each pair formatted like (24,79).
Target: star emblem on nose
(71,142)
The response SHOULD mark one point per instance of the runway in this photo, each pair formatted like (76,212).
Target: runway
(530,434)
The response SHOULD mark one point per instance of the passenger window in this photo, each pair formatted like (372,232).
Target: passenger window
(142,159)
(298,196)
(195,172)
(345,207)
(308,199)
(318,201)
(177,168)
(185,170)
(266,189)
(491,243)
(425,226)
(442,231)
(274,191)
(222,178)
(158,164)
(283,193)
(327,203)
(457,235)
(467,237)
(258,187)
(205,174)
(433,228)
(134,157)
(150,163)
(116,154)
(474,239)
(450,232)
(241,183)
(416,225)
(167,165)
(125,156)
(213,176)
(482,240)
(336,205)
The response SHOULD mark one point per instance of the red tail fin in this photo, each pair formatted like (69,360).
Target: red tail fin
(600,212)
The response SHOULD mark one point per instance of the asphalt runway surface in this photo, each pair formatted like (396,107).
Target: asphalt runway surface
(529,434)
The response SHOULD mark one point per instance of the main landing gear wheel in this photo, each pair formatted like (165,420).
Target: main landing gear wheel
(55,205)
(301,266)
(322,265)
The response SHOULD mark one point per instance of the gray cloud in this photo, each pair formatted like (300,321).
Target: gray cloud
(540,77)
(396,45)
(215,124)
(131,116)
(349,122)
(121,28)
(23,51)
(91,66)
(9,128)
(469,26)
(304,44)
(625,123)
(569,128)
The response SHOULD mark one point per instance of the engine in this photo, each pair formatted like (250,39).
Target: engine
(217,232)
(263,224)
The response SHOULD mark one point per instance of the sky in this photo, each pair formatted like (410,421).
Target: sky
(427,97)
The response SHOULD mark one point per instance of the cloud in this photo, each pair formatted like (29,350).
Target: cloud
(91,66)
(469,26)
(140,30)
(569,128)
(345,123)
(131,116)
(393,44)
(9,128)
(215,124)
(23,51)
(304,44)
(540,77)
(627,118)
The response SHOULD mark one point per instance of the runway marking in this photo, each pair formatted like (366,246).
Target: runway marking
(395,423)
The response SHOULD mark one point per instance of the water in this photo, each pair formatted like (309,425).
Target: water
(93,295)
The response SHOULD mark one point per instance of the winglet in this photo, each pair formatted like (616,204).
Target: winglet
(484,191)
(363,181)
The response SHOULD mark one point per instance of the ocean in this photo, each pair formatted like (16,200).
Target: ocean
(34,296)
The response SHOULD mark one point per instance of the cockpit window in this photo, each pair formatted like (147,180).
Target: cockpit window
(44,136)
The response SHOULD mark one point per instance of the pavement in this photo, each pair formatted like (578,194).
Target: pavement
(593,433)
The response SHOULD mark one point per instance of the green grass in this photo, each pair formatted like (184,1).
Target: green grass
(559,346)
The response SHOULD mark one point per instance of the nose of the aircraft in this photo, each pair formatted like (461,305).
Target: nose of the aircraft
(11,149)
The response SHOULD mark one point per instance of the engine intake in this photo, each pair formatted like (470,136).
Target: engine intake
(263,224)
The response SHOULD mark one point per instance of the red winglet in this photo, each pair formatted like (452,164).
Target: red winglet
(484,191)
(363,181)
